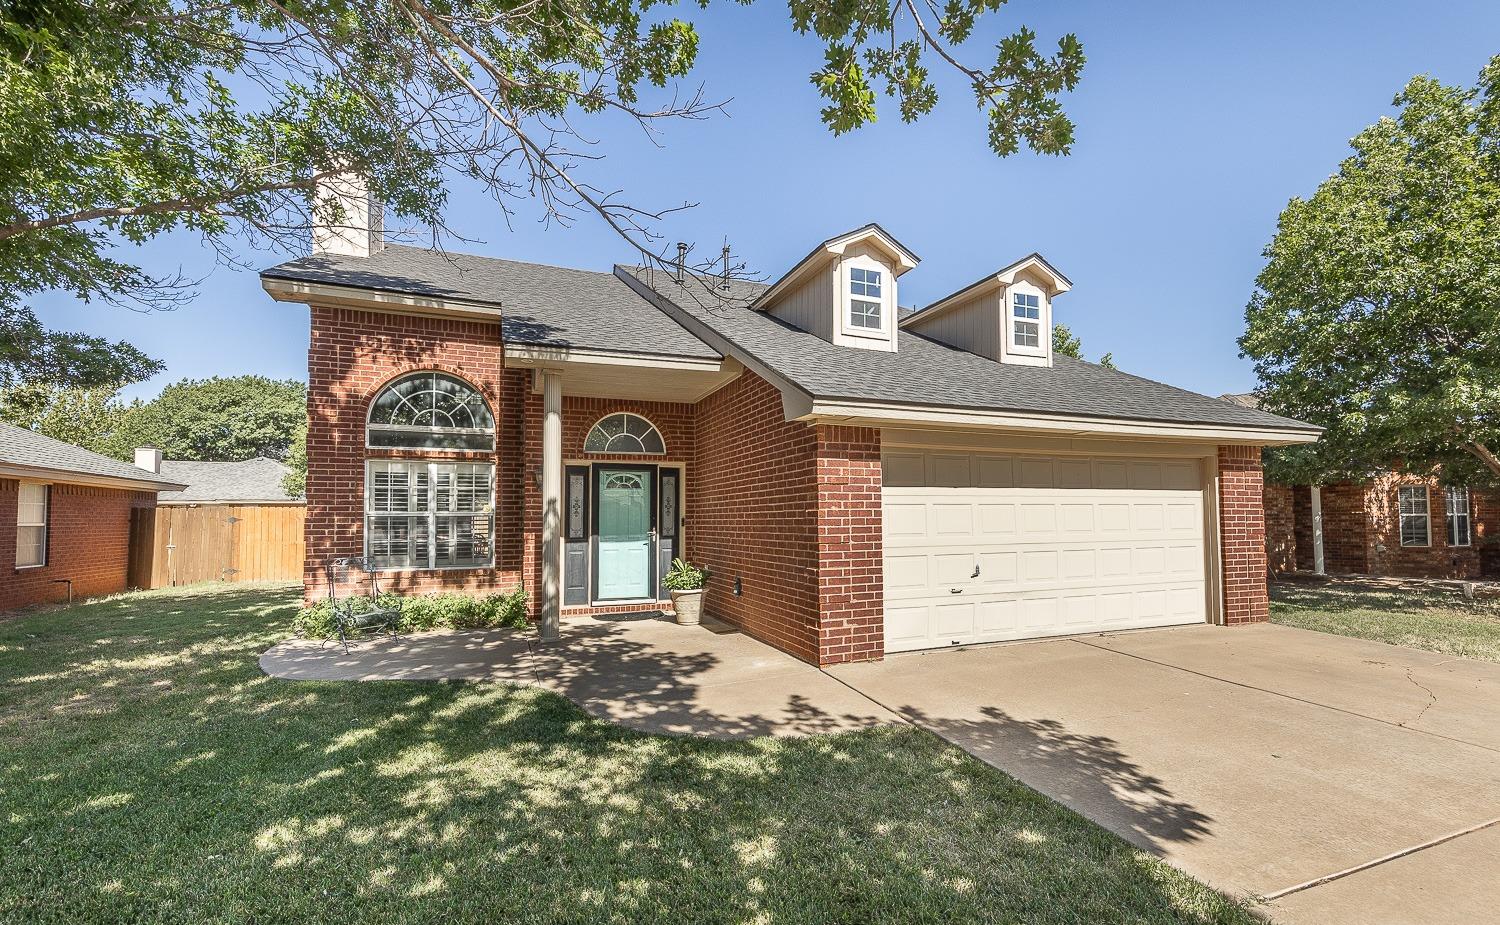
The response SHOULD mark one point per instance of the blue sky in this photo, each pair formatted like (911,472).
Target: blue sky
(1196,123)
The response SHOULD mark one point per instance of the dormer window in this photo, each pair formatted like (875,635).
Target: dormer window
(864,298)
(1026,311)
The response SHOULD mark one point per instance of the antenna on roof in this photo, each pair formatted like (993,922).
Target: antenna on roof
(724,280)
(681,268)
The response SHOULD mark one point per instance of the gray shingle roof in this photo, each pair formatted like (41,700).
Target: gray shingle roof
(250,480)
(924,372)
(539,305)
(22,447)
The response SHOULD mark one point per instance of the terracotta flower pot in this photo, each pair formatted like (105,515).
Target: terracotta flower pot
(688,605)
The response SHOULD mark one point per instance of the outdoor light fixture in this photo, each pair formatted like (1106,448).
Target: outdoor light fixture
(739,587)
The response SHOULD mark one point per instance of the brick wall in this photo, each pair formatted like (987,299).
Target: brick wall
(1242,535)
(1281,534)
(851,595)
(752,501)
(88,541)
(1386,555)
(351,356)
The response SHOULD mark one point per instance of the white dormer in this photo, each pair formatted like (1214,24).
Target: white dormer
(845,290)
(1006,316)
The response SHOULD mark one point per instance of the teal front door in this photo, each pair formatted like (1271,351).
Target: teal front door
(624,522)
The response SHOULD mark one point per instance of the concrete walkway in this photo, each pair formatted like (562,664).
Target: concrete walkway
(642,671)
(1346,782)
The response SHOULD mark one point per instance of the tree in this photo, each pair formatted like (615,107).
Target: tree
(216,420)
(84,417)
(30,354)
(1065,342)
(295,480)
(127,118)
(1377,315)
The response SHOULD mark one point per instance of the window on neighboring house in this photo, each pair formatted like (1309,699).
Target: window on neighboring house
(1026,316)
(1416,527)
(431,411)
(429,515)
(31,525)
(1457,505)
(864,298)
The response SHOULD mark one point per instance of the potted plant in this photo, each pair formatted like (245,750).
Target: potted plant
(686,581)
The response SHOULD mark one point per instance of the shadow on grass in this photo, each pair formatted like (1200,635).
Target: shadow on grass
(188,787)
(1346,595)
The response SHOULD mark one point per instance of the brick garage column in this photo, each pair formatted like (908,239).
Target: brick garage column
(851,598)
(1242,535)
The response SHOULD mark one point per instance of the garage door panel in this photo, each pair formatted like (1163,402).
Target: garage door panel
(1061,545)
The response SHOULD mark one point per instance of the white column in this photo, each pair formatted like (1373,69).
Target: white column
(1317,525)
(552,478)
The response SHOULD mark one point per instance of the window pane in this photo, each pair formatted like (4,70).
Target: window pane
(864,314)
(463,540)
(399,542)
(31,546)
(420,411)
(624,433)
(1028,334)
(1457,508)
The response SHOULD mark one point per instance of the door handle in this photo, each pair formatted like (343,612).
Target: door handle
(955,590)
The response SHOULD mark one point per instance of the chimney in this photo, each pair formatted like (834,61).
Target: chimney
(148,458)
(347,220)
(681,269)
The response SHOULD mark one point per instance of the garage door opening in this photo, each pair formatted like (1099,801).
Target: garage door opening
(987,547)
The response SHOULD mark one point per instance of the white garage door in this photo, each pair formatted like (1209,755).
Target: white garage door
(982,547)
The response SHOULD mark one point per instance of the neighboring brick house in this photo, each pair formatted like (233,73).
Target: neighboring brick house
(65,518)
(1392,524)
(857,482)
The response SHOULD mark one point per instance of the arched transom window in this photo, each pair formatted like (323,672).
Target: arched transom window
(431,411)
(624,433)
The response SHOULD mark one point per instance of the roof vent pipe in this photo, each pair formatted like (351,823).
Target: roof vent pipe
(679,272)
(724,280)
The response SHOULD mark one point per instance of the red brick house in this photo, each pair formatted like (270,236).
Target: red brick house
(65,518)
(857,482)
(1391,524)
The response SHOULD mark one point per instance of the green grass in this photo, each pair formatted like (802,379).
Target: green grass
(1439,619)
(150,772)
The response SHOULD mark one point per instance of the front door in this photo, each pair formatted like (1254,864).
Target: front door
(625,514)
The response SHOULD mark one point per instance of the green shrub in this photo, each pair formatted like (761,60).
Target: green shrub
(441,610)
(684,576)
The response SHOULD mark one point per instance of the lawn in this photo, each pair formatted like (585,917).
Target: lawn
(1441,620)
(150,772)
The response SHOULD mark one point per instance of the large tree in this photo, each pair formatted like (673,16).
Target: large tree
(33,355)
(216,420)
(1377,315)
(127,118)
(1065,342)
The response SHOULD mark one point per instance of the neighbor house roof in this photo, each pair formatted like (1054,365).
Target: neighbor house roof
(539,305)
(27,454)
(249,481)
(924,372)
(1243,399)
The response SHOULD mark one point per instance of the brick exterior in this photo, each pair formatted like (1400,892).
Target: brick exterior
(753,510)
(1242,535)
(789,512)
(1362,535)
(88,542)
(1281,538)
(851,561)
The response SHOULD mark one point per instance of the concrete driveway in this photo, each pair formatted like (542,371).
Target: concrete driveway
(1341,781)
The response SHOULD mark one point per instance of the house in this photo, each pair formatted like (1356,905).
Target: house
(1391,524)
(65,518)
(857,484)
(232,521)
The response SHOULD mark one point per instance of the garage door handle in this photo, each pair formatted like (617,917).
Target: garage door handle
(955,590)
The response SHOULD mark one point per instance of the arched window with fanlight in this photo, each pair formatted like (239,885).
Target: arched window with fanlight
(625,433)
(431,411)
(430,513)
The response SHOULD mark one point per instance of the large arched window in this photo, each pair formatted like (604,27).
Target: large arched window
(431,411)
(624,433)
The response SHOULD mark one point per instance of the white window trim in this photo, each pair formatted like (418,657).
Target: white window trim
(1450,516)
(846,299)
(371,427)
(1401,516)
(432,465)
(45,524)
(1043,347)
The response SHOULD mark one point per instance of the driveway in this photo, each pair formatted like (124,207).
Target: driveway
(1342,781)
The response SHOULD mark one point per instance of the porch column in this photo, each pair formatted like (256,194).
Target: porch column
(1317,526)
(552,475)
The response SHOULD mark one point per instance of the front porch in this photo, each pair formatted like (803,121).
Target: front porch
(639,670)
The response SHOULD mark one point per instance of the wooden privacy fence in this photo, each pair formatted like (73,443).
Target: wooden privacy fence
(182,544)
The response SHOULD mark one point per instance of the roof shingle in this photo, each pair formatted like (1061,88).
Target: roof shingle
(250,480)
(22,447)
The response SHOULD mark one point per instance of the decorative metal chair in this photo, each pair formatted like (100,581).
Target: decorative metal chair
(351,618)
